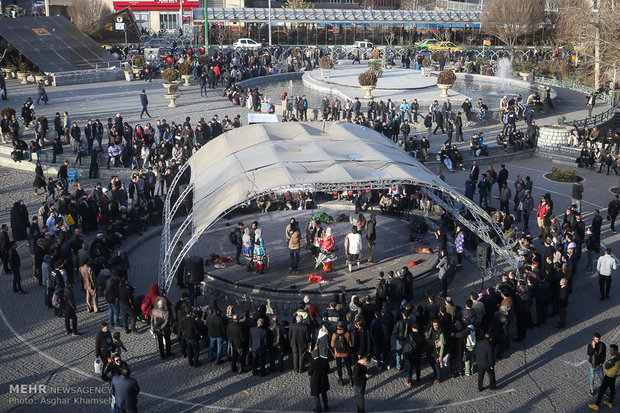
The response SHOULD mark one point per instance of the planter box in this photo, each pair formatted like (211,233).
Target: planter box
(551,138)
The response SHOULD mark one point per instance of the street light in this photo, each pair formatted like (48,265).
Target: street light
(269,18)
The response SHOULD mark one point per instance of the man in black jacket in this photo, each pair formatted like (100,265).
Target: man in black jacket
(597,351)
(360,377)
(401,331)
(111,296)
(104,346)
(14,264)
(126,304)
(319,381)
(217,331)
(144,100)
(276,349)
(612,212)
(486,361)
(181,308)
(68,300)
(396,291)
(5,245)
(239,339)
(299,336)
(371,235)
(190,332)
(258,346)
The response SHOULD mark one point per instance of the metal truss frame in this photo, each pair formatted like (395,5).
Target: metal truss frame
(449,200)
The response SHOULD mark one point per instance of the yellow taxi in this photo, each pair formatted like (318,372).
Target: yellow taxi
(449,46)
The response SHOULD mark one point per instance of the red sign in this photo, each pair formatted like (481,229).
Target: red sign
(155,4)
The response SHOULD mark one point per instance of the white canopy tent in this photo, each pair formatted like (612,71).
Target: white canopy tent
(244,163)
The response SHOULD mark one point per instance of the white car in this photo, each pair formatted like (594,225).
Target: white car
(247,44)
(363,45)
(38,4)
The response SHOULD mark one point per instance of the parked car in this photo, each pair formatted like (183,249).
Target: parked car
(426,43)
(247,44)
(449,46)
(363,45)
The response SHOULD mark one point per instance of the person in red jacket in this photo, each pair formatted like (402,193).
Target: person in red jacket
(543,217)
(327,248)
(148,303)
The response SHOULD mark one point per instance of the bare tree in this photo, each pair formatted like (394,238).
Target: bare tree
(389,35)
(591,29)
(89,16)
(298,4)
(509,21)
(218,31)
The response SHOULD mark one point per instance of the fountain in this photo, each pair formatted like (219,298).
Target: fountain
(504,68)
(290,87)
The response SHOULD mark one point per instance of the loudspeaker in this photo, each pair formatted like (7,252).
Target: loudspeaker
(194,267)
(483,255)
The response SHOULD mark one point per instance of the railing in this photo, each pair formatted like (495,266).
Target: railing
(593,120)
(457,5)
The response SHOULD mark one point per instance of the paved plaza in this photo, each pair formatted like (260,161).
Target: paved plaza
(547,372)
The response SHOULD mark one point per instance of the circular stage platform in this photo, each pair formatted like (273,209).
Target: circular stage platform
(393,251)
(396,78)
(395,84)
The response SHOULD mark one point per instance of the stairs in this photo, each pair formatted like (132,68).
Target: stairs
(50,169)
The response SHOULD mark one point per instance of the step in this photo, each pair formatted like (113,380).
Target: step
(558,158)
(52,169)
(498,158)
(47,155)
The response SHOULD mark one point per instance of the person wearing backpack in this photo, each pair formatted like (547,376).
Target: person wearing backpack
(342,344)
(236,239)
(470,343)
(412,353)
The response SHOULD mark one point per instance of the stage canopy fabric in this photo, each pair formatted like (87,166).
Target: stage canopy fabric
(246,162)
(54,44)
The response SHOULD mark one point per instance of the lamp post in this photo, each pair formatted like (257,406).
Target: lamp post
(180,16)
(269,20)
(206,27)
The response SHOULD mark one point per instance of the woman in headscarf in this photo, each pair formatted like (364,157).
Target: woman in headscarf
(39,179)
(247,248)
(259,250)
(327,248)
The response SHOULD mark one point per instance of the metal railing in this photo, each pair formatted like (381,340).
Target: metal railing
(457,5)
(592,120)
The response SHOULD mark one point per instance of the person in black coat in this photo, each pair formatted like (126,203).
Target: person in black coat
(319,380)
(360,377)
(144,101)
(14,264)
(299,337)
(68,300)
(486,361)
(19,221)
(5,245)
(239,339)
(190,333)
(258,346)
(563,293)
(104,346)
